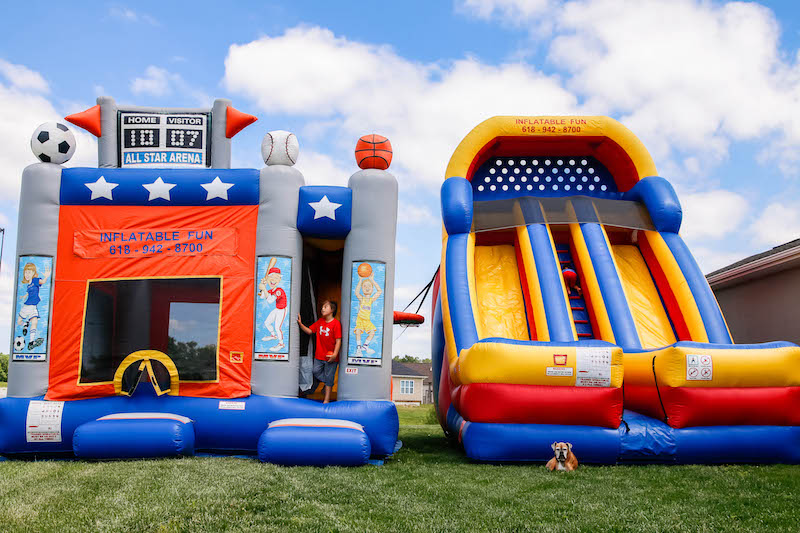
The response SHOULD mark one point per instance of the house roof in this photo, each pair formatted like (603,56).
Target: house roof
(423,370)
(771,261)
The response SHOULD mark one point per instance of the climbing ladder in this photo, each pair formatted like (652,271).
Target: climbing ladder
(579,313)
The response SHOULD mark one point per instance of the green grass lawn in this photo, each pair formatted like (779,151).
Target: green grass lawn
(427,486)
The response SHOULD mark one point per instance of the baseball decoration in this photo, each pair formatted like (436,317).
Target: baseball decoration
(374,151)
(364,270)
(52,142)
(280,148)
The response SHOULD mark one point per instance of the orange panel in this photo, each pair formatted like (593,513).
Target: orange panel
(72,274)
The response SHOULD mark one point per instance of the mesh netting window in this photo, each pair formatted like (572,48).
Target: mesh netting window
(176,316)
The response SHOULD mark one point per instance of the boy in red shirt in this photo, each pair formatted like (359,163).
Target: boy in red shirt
(329,340)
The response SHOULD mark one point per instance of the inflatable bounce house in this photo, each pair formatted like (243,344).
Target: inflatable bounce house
(568,308)
(157,295)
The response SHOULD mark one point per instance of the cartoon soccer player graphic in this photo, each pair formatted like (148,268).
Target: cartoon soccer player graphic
(367,292)
(276,295)
(28,316)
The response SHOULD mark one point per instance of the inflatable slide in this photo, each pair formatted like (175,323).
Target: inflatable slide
(568,308)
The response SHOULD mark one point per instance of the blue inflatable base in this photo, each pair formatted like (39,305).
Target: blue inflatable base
(640,439)
(221,426)
(133,439)
(314,446)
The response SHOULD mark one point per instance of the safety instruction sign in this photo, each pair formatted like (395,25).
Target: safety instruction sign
(593,367)
(43,423)
(559,371)
(699,367)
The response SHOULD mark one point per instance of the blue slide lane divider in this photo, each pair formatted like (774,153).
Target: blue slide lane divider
(706,303)
(464,329)
(611,287)
(559,322)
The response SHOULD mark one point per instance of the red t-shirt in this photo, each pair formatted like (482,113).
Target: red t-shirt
(327,333)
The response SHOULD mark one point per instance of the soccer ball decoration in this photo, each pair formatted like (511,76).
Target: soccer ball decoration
(19,343)
(280,148)
(52,142)
(374,151)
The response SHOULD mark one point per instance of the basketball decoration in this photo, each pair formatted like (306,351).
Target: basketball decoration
(364,270)
(374,151)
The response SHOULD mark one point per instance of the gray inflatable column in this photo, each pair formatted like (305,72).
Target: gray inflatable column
(371,238)
(37,234)
(277,235)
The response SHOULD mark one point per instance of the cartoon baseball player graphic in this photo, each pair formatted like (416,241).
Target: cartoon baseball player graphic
(276,295)
(28,316)
(367,292)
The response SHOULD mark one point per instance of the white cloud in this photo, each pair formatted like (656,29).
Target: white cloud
(156,82)
(777,224)
(711,74)
(712,214)
(353,88)
(21,112)
(710,259)
(321,169)
(23,78)
(160,82)
(416,215)
(510,10)
(129,15)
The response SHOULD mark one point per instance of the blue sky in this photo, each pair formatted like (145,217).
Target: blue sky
(711,88)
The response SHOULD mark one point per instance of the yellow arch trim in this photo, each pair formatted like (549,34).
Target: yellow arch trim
(505,126)
(146,356)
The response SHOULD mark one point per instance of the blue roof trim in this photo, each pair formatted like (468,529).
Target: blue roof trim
(177,187)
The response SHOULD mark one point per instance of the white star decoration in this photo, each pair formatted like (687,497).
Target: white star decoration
(158,189)
(324,208)
(217,189)
(101,188)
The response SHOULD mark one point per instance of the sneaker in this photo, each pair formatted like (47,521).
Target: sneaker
(34,344)
(369,351)
(278,346)
(358,351)
(25,329)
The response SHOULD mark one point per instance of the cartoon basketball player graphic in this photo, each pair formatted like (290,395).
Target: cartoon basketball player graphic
(367,292)
(28,316)
(269,290)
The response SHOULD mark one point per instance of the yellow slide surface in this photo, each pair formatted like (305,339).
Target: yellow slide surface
(649,315)
(500,302)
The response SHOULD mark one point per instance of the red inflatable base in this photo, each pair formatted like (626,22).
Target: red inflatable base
(539,404)
(728,406)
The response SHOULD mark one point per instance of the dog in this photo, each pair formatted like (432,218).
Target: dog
(564,460)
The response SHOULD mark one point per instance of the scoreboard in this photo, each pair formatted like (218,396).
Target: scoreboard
(160,139)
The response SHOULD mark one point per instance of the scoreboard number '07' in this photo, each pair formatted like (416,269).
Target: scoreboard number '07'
(153,139)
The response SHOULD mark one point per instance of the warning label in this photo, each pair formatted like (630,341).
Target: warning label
(43,423)
(699,367)
(559,371)
(231,406)
(593,367)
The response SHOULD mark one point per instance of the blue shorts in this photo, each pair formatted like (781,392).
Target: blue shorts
(325,371)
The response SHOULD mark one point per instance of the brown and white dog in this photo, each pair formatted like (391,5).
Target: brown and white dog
(564,460)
